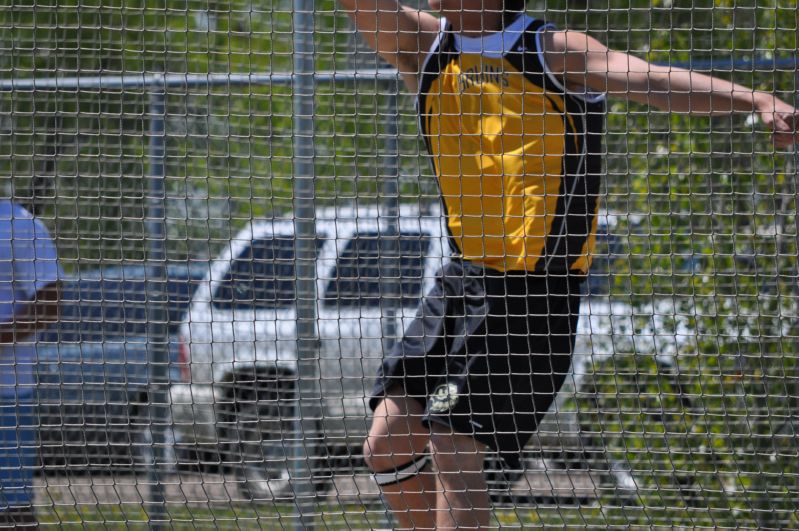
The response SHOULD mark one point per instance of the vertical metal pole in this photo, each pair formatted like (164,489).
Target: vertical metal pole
(795,413)
(157,328)
(389,222)
(305,254)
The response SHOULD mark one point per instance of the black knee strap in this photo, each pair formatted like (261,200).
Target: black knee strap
(403,473)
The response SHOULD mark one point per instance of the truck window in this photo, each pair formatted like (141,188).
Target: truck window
(361,278)
(261,277)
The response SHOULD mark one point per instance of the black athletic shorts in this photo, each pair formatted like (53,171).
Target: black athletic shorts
(486,353)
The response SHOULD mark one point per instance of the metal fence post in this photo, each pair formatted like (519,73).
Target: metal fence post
(305,254)
(389,222)
(157,327)
(795,412)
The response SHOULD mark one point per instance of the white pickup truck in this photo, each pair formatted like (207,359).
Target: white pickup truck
(240,334)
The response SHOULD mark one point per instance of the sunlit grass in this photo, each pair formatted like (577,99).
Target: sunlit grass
(273,516)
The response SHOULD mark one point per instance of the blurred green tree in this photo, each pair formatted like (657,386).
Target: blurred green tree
(229,148)
(698,402)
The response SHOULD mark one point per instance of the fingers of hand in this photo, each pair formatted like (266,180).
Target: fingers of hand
(785,127)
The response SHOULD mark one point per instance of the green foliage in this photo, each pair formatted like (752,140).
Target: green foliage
(707,221)
(708,442)
(229,148)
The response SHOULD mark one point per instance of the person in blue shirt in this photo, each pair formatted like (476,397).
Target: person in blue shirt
(29,292)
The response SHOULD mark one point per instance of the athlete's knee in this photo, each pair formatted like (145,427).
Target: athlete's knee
(384,451)
(393,470)
(396,435)
(394,458)
(374,452)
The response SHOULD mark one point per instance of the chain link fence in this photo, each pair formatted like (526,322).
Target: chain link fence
(246,219)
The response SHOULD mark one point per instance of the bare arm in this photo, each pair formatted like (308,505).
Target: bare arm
(401,35)
(585,62)
(33,316)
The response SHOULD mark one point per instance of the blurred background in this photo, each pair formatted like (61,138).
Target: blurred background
(169,393)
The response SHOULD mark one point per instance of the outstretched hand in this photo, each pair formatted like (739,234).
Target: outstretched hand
(782,119)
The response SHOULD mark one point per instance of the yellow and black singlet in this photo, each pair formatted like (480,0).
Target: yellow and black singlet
(517,156)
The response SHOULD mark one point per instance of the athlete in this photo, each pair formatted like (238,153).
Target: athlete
(512,112)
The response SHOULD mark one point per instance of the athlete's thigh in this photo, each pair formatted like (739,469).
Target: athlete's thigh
(397,427)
